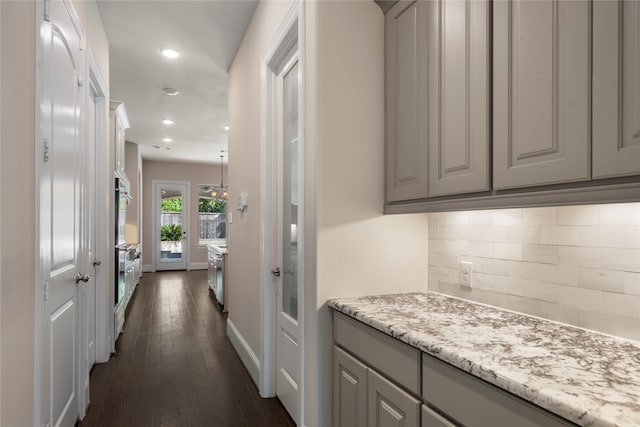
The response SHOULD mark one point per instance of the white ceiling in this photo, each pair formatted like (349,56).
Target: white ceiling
(207,34)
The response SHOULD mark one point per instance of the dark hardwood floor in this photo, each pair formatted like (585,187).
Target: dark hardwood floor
(175,366)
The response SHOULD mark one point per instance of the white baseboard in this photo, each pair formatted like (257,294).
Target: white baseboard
(248,357)
(198,266)
(148,268)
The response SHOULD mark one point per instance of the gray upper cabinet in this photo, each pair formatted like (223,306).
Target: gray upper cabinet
(616,88)
(511,103)
(542,92)
(406,84)
(459,106)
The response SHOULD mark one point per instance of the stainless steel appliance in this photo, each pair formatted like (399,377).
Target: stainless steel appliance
(122,198)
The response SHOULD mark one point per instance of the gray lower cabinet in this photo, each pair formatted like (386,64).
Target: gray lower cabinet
(473,402)
(362,397)
(349,390)
(431,418)
(371,387)
(390,406)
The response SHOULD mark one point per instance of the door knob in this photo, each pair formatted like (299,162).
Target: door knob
(276,272)
(96,263)
(82,278)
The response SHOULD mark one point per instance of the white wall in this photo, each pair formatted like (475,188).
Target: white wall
(17,199)
(357,250)
(574,264)
(244,170)
(175,171)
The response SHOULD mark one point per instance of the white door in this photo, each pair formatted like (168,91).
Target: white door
(288,234)
(172,225)
(61,198)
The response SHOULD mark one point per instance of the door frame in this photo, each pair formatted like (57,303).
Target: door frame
(103,190)
(290,33)
(186,227)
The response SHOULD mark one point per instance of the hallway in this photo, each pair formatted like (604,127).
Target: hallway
(175,365)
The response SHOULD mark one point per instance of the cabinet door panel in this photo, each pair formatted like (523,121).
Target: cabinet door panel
(349,390)
(406,137)
(616,88)
(389,406)
(459,108)
(542,92)
(430,418)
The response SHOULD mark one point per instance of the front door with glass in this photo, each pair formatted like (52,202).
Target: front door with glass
(172,216)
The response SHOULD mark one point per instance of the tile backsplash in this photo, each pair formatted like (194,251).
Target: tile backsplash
(574,264)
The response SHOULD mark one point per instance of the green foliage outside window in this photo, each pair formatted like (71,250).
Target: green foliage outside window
(171,233)
(211,206)
(171,205)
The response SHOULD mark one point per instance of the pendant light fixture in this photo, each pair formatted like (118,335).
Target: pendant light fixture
(220,193)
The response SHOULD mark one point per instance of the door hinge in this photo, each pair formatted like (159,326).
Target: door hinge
(47,3)
(46,290)
(45,148)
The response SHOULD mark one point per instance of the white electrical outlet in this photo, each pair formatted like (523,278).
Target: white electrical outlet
(466,270)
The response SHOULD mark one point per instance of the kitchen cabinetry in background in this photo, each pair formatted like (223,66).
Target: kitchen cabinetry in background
(119,123)
(563,127)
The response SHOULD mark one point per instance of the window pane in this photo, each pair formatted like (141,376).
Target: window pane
(212,216)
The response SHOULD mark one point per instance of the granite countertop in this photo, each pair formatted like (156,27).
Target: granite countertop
(588,378)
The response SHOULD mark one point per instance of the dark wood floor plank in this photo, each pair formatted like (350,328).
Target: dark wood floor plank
(175,365)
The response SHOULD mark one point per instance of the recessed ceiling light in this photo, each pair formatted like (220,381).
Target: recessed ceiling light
(226,127)
(167,121)
(171,91)
(167,140)
(167,148)
(170,53)
(157,147)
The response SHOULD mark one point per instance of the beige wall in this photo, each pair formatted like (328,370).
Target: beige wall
(352,249)
(245,171)
(358,250)
(175,171)
(17,202)
(17,277)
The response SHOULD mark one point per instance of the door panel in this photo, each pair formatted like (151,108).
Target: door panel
(459,107)
(406,68)
(388,405)
(349,390)
(542,92)
(172,216)
(288,236)
(616,88)
(61,195)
